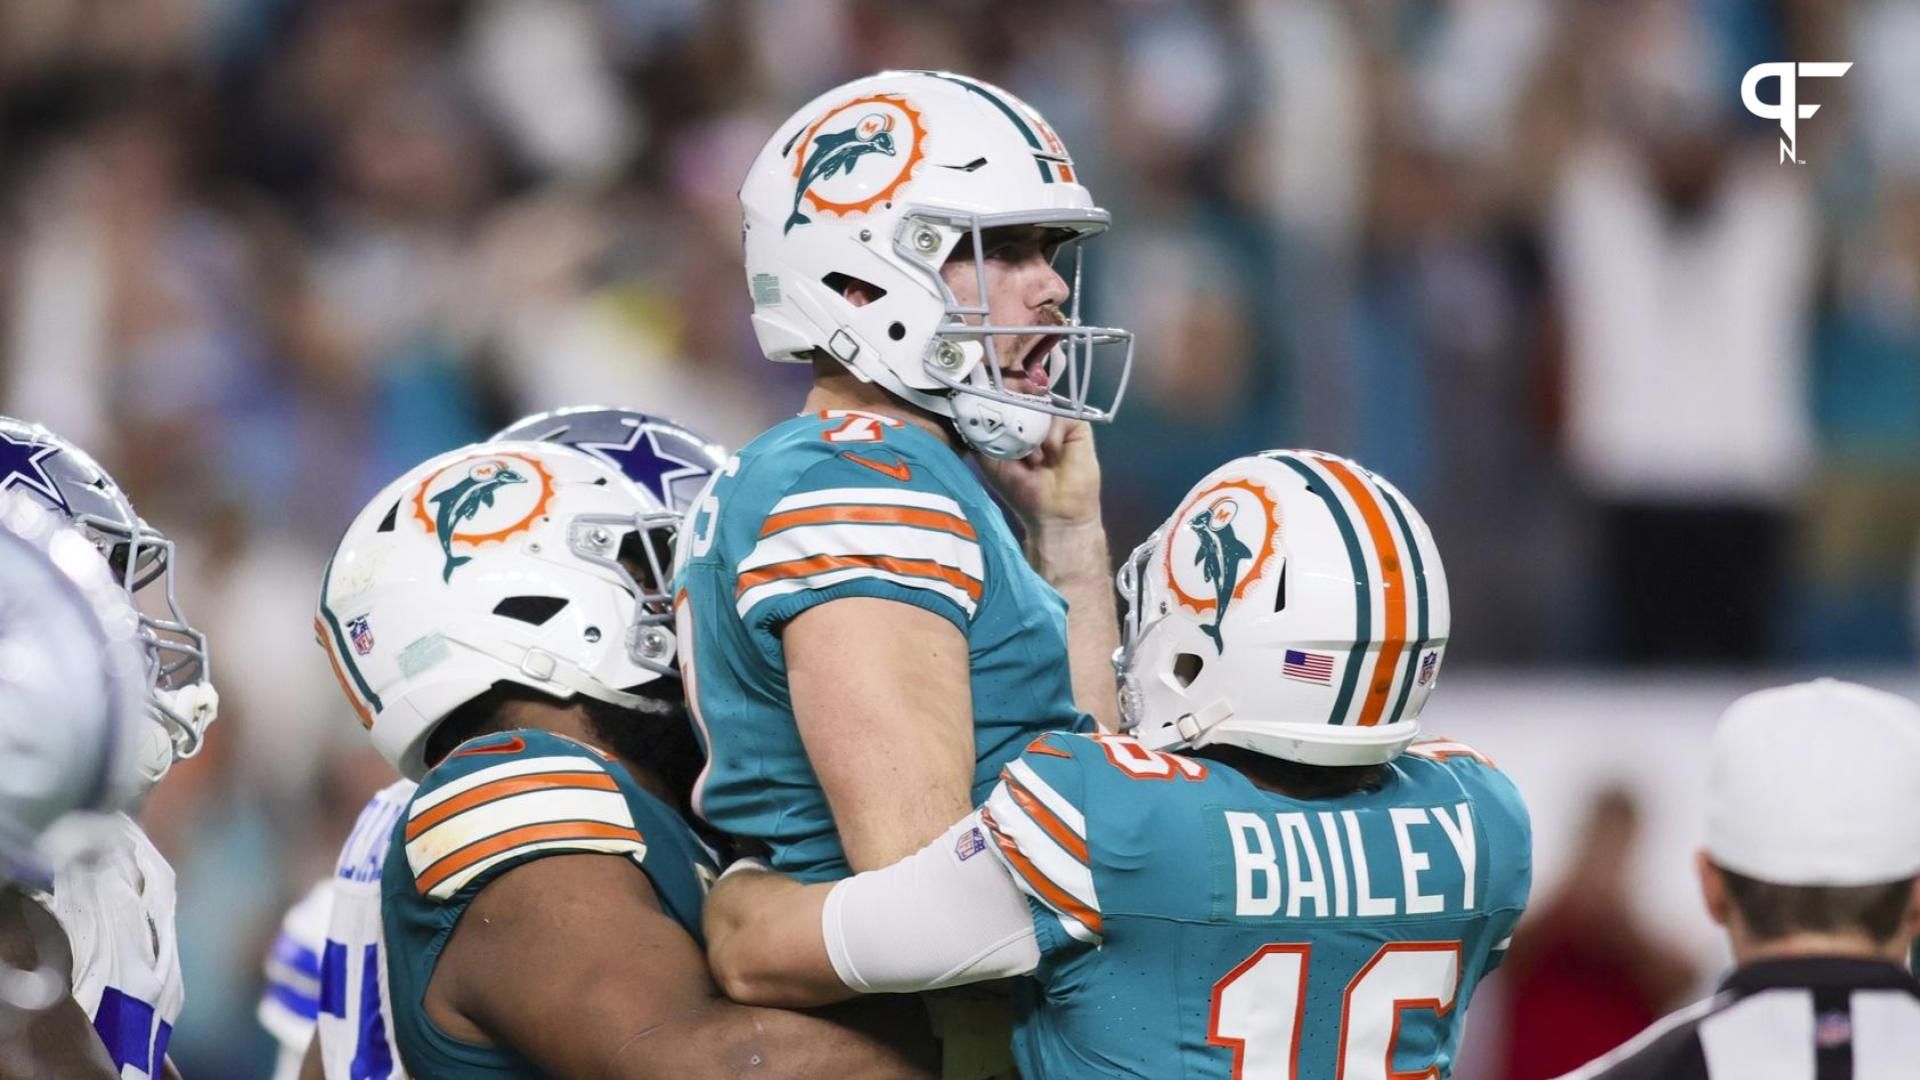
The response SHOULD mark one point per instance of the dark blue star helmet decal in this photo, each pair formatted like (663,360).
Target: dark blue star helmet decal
(667,459)
(23,460)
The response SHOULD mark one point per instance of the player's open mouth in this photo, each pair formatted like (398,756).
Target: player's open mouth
(1030,376)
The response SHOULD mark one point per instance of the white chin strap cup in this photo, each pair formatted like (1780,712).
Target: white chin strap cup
(996,428)
(999,430)
(155,752)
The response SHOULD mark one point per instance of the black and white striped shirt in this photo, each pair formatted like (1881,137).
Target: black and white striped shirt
(1813,1019)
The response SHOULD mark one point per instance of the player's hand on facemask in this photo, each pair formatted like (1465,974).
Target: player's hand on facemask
(1056,486)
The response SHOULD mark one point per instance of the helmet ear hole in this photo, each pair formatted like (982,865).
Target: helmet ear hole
(1186,668)
(534,610)
(858,292)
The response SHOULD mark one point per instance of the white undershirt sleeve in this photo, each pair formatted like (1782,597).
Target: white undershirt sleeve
(947,915)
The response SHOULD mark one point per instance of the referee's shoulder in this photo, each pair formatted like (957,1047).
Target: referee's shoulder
(1669,1049)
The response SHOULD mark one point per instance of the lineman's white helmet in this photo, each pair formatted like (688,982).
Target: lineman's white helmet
(879,181)
(1295,605)
(496,562)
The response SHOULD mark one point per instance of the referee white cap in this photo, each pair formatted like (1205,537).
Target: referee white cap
(1817,784)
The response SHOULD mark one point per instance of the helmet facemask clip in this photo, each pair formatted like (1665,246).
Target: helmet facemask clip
(610,541)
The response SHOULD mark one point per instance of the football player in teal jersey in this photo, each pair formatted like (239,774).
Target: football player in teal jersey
(1267,877)
(496,617)
(323,996)
(865,641)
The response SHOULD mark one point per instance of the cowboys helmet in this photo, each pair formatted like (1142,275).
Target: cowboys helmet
(1295,605)
(669,460)
(181,700)
(497,562)
(880,181)
(73,679)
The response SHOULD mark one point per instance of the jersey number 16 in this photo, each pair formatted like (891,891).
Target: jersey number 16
(1259,1005)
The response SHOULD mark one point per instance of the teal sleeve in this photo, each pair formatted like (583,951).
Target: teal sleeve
(505,799)
(858,523)
(1509,857)
(1038,821)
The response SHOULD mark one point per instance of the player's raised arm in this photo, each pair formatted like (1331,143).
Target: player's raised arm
(576,1007)
(1056,492)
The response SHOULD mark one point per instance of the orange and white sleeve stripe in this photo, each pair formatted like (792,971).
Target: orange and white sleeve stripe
(558,803)
(814,539)
(1042,838)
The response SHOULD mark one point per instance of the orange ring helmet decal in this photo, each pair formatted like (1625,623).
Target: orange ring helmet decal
(502,495)
(878,126)
(1224,541)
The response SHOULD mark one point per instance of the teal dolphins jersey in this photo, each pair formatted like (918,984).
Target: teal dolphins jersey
(834,505)
(1192,924)
(495,803)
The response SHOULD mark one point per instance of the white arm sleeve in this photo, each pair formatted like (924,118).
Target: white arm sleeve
(882,940)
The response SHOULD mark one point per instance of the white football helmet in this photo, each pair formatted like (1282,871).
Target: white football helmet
(181,701)
(500,561)
(879,180)
(1295,605)
(73,682)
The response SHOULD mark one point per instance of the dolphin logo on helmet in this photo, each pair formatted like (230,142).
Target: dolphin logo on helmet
(1220,556)
(966,157)
(838,152)
(463,501)
(1344,575)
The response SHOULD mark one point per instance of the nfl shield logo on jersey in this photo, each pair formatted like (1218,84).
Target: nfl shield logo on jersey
(969,844)
(362,635)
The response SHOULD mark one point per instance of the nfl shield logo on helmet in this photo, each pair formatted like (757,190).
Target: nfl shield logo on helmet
(361,635)
(1429,664)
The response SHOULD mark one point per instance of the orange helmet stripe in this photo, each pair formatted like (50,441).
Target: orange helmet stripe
(346,687)
(1393,588)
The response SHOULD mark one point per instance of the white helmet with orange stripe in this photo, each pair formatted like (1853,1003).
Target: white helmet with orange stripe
(879,182)
(520,562)
(1295,605)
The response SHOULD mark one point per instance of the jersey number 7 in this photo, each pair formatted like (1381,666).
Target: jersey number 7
(1259,1005)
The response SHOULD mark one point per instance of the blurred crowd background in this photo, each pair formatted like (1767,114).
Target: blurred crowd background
(1657,392)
